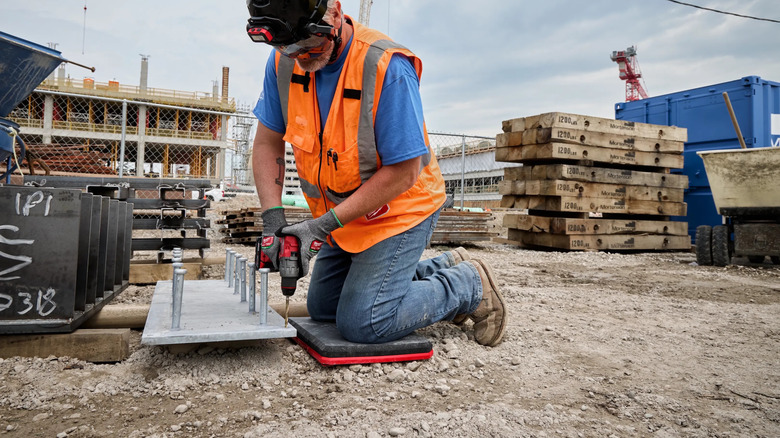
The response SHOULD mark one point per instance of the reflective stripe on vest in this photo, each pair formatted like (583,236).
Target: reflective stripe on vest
(284,71)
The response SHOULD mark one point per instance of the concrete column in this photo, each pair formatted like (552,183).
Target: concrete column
(224,131)
(221,164)
(221,159)
(48,116)
(141,150)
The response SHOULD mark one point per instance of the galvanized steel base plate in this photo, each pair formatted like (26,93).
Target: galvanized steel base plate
(210,312)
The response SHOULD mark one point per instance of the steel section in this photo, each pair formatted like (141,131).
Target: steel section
(82,275)
(156,204)
(171,223)
(111,243)
(167,244)
(94,248)
(209,313)
(102,248)
(50,258)
(128,249)
(40,239)
(120,242)
(137,183)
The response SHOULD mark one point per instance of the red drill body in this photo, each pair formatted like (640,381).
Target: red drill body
(290,264)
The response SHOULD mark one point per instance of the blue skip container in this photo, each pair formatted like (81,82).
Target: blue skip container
(704,113)
(23,65)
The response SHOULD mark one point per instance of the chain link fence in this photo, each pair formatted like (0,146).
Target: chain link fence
(470,171)
(82,134)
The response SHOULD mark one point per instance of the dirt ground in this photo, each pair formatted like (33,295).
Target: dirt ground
(598,345)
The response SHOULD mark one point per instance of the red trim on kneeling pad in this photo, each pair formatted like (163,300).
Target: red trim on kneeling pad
(329,361)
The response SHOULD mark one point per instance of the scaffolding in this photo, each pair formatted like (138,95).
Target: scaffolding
(242,152)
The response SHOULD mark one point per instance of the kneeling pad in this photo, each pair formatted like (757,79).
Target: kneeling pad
(325,344)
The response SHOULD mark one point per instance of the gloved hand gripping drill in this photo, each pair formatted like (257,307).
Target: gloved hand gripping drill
(289,248)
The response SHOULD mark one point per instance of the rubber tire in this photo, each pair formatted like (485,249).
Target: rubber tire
(756,259)
(704,245)
(720,245)
(209,197)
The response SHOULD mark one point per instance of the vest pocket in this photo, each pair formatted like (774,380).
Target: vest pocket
(297,135)
(340,172)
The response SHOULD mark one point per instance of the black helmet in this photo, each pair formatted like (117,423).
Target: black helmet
(284,22)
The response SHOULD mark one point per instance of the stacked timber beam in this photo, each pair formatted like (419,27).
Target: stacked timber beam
(455,226)
(245,226)
(591,183)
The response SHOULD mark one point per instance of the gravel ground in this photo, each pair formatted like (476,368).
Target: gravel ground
(598,344)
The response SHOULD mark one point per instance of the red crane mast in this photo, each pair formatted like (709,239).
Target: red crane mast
(629,72)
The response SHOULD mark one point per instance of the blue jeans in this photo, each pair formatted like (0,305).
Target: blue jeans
(386,292)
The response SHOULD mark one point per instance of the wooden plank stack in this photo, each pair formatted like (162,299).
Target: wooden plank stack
(245,226)
(591,183)
(455,226)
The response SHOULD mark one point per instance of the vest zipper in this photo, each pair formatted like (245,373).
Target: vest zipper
(319,175)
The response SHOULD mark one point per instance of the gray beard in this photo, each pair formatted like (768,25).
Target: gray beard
(316,64)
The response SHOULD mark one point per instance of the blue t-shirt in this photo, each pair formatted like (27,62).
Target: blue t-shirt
(399,128)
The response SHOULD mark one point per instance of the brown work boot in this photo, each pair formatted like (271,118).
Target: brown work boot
(460,255)
(490,316)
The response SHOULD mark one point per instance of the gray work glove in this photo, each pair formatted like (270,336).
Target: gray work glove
(311,234)
(268,245)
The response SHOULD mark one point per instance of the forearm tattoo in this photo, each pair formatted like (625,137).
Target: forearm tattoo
(280,179)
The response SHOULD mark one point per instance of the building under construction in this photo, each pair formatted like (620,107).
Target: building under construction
(87,127)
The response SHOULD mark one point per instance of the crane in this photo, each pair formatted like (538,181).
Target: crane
(629,72)
(365,11)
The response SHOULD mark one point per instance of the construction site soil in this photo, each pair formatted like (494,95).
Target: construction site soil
(597,345)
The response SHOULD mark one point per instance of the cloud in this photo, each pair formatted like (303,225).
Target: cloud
(483,62)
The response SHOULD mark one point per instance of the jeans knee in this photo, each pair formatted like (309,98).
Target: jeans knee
(319,313)
(356,333)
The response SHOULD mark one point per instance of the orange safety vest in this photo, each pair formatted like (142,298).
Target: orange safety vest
(349,138)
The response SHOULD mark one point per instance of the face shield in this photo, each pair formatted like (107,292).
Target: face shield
(285,23)
(309,48)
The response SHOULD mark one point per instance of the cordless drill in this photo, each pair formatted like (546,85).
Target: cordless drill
(289,264)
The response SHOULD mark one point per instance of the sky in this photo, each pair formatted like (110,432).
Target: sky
(483,61)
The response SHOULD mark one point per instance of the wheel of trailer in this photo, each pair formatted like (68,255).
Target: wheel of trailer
(756,259)
(720,245)
(704,245)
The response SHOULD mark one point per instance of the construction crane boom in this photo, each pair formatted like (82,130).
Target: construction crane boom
(629,72)
(365,11)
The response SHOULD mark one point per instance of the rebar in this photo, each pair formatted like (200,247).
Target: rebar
(229,267)
(174,280)
(227,264)
(242,277)
(236,269)
(264,295)
(178,294)
(252,281)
